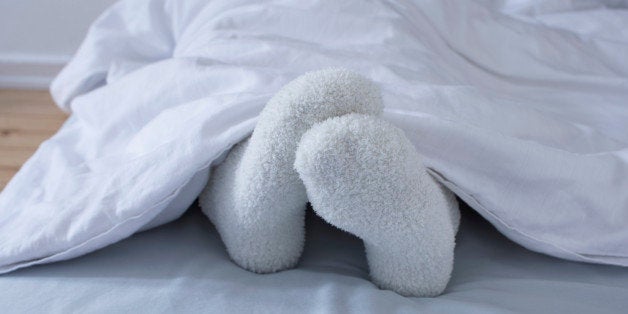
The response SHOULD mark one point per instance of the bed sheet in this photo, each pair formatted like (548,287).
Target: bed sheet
(183,267)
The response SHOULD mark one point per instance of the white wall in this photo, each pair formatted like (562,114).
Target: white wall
(37,37)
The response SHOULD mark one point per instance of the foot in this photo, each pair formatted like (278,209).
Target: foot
(364,176)
(255,197)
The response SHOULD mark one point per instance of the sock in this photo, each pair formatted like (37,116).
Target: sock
(255,197)
(364,176)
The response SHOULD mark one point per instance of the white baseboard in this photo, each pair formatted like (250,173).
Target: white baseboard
(29,71)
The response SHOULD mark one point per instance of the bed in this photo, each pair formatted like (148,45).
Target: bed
(183,267)
(518,107)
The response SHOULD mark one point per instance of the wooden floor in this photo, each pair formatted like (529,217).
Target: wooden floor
(27,118)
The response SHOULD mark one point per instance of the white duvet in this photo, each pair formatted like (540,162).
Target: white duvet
(520,107)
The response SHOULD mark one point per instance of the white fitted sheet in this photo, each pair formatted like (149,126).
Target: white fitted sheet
(183,268)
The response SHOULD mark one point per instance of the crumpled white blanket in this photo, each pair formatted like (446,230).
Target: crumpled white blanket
(519,107)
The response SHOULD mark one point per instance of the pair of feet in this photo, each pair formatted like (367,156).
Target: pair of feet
(320,140)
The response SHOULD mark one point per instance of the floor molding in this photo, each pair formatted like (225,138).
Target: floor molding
(29,71)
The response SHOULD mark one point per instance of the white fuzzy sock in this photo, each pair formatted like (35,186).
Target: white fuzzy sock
(255,197)
(364,176)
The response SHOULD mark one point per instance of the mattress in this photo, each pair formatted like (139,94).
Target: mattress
(183,267)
